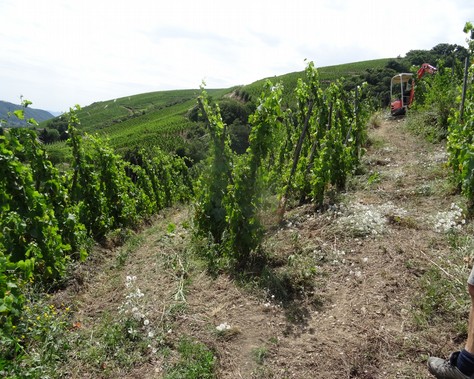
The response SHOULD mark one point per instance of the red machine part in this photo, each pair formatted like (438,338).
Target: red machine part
(399,106)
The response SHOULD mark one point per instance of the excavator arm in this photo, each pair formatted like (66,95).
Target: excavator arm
(425,68)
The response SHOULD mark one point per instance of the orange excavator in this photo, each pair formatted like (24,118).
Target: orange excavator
(402,89)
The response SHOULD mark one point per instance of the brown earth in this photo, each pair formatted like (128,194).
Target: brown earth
(354,270)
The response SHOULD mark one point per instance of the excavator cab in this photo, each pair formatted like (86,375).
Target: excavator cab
(402,91)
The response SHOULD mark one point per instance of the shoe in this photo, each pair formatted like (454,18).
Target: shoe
(446,368)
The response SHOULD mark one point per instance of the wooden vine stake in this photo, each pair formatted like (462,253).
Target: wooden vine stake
(464,87)
(296,157)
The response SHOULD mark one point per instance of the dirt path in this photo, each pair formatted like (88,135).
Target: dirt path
(364,326)
(356,320)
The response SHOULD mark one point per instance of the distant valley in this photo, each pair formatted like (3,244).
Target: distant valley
(12,121)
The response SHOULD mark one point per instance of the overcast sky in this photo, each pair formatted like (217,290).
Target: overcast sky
(58,53)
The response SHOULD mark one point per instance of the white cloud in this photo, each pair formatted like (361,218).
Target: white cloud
(59,53)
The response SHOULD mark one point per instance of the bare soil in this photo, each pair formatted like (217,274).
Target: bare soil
(353,317)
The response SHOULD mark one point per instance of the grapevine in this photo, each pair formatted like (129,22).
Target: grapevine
(460,138)
(47,218)
(301,151)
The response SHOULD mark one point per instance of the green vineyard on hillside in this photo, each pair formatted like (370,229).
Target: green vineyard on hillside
(162,118)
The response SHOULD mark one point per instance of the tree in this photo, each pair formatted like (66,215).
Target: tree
(449,53)
(49,135)
(398,65)
(418,57)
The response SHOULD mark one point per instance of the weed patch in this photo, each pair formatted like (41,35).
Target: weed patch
(196,361)
(441,298)
(425,124)
(38,343)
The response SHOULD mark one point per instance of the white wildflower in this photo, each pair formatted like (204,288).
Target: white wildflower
(449,220)
(364,220)
(131,331)
(129,280)
(223,326)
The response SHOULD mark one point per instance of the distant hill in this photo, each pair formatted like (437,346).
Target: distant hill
(326,75)
(38,114)
(164,118)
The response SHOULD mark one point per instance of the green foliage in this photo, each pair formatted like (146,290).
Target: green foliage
(327,74)
(399,65)
(232,110)
(239,137)
(469,28)
(49,182)
(461,146)
(60,124)
(461,140)
(168,176)
(300,151)
(441,95)
(440,298)
(235,114)
(424,123)
(259,354)
(31,244)
(48,217)
(210,213)
(115,185)
(445,52)
(39,232)
(244,196)
(108,198)
(336,131)
(30,230)
(39,341)
(378,81)
(49,135)
(85,189)
(11,303)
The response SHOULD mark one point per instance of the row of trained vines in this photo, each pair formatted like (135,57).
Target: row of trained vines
(295,155)
(461,129)
(49,218)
